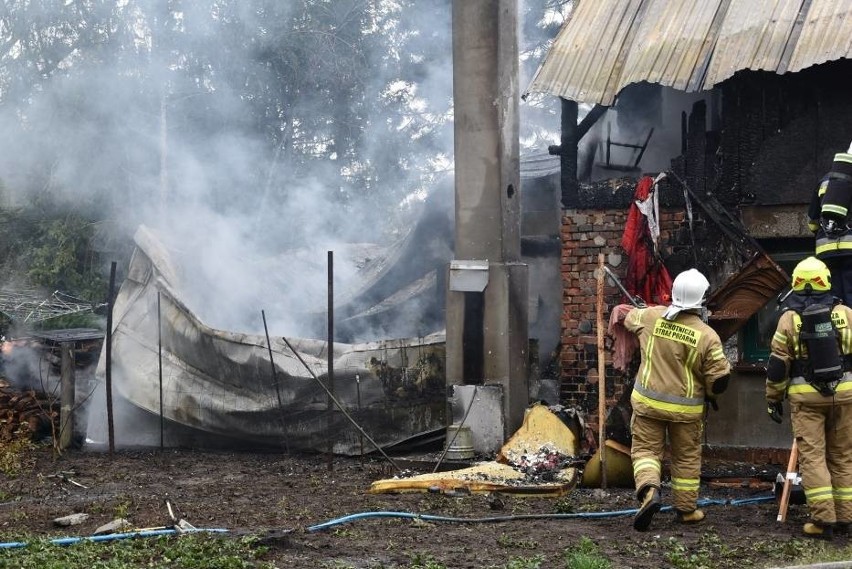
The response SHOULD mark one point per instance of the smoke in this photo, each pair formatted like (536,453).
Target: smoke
(26,366)
(160,118)
(175,120)
(232,129)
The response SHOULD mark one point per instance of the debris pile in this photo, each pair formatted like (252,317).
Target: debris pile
(550,470)
(545,463)
(26,412)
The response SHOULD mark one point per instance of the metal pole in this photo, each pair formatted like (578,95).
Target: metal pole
(110,301)
(275,381)
(66,410)
(340,405)
(358,386)
(601,372)
(330,354)
(160,365)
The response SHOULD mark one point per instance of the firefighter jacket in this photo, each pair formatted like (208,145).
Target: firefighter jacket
(787,348)
(681,360)
(832,200)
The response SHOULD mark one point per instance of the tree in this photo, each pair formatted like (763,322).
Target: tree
(294,118)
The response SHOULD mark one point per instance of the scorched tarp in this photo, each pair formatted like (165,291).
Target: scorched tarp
(219,385)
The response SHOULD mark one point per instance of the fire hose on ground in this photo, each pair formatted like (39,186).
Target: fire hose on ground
(389,514)
(581,515)
(116,536)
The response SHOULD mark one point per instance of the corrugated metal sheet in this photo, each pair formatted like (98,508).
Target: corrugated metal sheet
(539,165)
(686,44)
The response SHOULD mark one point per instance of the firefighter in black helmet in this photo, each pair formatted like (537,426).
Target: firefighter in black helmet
(830,220)
(809,364)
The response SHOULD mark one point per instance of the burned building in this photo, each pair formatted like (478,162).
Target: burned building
(743,106)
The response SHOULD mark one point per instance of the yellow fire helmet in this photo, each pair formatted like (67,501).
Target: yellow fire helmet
(813,273)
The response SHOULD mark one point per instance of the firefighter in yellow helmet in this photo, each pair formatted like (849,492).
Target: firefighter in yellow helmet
(683,366)
(809,364)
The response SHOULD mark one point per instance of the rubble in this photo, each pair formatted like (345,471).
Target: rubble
(37,415)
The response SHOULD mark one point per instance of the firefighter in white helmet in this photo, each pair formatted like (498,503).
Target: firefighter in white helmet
(683,367)
(809,364)
(829,220)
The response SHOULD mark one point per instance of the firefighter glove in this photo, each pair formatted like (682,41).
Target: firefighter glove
(711,401)
(775,410)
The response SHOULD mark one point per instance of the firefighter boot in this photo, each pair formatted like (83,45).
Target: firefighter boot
(817,531)
(651,504)
(692,517)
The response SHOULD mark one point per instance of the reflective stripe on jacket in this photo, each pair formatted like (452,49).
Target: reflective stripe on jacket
(787,347)
(681,360)
(836,244)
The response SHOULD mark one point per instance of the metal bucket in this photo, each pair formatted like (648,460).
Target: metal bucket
(460,441)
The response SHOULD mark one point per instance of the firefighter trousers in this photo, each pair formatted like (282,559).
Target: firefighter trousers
(824,437)
(649,441)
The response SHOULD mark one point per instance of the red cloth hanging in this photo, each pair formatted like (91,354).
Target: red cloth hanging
(647,277)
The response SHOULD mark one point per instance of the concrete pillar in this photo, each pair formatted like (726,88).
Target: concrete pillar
(487,206)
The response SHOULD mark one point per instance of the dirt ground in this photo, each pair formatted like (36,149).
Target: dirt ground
(281,497)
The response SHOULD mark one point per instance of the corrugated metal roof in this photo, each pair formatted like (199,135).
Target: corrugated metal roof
(688,45)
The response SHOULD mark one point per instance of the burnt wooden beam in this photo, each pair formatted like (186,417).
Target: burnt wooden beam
(571,134)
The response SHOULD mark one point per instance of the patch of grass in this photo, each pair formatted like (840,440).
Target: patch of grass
(122,508)
(805,551)
(680,556)
(421,561)
(96,508)
(193,551)
(525,563)
(712,551)
(570,505)
(19,515)
(585,555)
(564,505)
(347,533)
(511,542)
(16,455)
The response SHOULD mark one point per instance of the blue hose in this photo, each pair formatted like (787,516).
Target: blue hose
(113,536)
(428,517)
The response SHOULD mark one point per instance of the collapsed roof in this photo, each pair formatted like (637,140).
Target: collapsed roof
(243,390)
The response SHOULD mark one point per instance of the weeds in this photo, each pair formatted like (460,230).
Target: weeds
(420,561)
(510,542)
(122,508)
(525,563)
(15,455)
(585,555)
(680,556)
(198,551)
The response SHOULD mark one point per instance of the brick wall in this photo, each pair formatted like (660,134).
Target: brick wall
(586,233)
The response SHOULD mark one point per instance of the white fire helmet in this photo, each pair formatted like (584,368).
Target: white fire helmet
(688,290)
(850,149)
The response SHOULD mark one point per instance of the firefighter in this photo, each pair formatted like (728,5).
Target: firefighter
(683,366)
(828,219)
(809,364)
